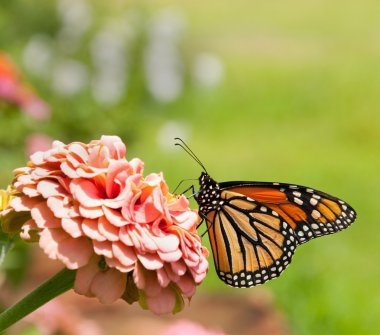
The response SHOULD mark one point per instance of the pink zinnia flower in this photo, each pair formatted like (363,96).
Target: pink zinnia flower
(186,327)
(13,90)
(125,234)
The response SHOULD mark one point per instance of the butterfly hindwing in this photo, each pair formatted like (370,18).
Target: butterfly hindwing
(251,243)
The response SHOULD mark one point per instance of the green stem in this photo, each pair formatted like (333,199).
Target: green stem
(53,287)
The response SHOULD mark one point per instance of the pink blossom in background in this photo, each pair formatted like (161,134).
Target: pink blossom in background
(34,106)
(124,233)
(55,317)
(13,90)
(186,327)
(37,142)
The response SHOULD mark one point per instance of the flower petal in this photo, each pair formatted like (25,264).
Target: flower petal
(84,277)
(72,226)
(124,254)
(75,252)
(170,256)
(167,243)
(90,229)
(86,192)
(44,217)
(108,286)
(29,231)
(103,248)
(150,261)
(179,267)
(23,203)
(115,217)
(109,231)
(186,285)
(91,212)
(59,206)
(115,146)
(162,303)
(48,188)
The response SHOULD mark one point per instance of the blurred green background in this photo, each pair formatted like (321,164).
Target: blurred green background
(274,91)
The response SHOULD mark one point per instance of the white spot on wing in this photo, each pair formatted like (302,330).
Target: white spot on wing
(315,214)
(313,201)
(298,201)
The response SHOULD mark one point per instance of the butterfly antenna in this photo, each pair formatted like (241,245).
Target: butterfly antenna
(190,152)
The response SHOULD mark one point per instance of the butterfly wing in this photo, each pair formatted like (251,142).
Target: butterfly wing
(309,212)
(251,243)
(258,225)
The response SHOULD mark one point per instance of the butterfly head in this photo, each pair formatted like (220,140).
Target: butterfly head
(208,196)
(205,181)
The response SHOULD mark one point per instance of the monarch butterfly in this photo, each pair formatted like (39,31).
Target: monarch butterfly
(255,227)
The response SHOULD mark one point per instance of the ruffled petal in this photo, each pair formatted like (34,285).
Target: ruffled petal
(150,261)
(124,254)
(84,277)
(90,229)
(75,252)
(72,226)
(49,188)
(109,285)
(44,217)
(86,192)
(162,303)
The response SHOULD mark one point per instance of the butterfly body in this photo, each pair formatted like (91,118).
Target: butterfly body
(255,227)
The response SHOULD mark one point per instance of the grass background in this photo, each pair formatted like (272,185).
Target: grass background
(299,104)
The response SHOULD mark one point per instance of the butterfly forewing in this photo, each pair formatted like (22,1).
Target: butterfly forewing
(310,213)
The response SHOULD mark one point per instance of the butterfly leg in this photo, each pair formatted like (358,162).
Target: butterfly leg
(204,218)
(193,192)
(181,182)
(200,223)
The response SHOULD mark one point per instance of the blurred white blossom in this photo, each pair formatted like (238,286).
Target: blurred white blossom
(207,70)
(38,54)
(163,70)
(162,60)
(110,49)
(169,130)
(76,18)
(109,56)
(69,77)
(107,89)
(168,24)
